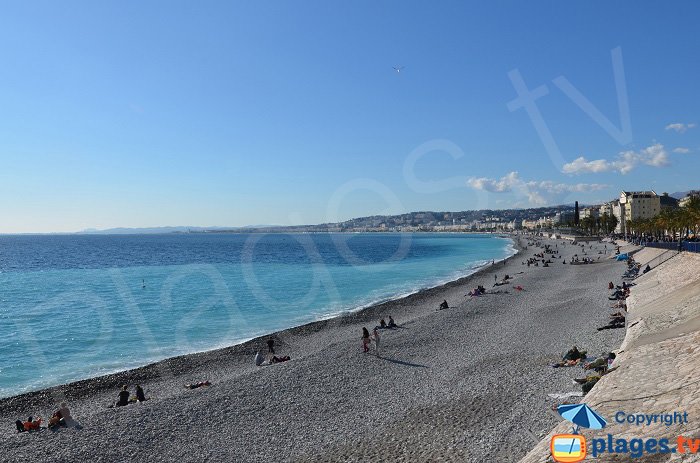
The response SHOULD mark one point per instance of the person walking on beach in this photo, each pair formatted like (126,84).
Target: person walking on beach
(495,277)
(365,340)
(376,342)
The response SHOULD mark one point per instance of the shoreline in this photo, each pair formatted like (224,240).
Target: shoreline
(448,385)
(114,379)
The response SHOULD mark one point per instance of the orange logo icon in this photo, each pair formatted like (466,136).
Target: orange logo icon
(568,448)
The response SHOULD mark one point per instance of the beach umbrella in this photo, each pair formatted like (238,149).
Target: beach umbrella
(582,415)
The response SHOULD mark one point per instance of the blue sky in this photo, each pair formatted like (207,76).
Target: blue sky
(233,113)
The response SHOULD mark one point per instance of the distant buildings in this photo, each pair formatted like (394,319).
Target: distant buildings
(683,202)
(636,205)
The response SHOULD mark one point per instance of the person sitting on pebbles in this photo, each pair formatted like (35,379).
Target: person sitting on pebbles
(123,399)
(444,305)
(392,323)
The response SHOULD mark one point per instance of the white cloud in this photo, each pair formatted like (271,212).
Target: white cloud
(582,166)
(681,150)
(680,127)
(654,155)
(538,193)
(503,185)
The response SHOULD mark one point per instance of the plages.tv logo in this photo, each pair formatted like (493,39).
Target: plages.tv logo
(570,448)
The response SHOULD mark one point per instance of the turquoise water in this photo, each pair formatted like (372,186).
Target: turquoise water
(73,307)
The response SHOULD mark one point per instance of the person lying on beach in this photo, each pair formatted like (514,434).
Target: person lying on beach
(56,420)
(587,379)
(392,323)
(574,354)
(600,364)
(197,385)
(276,359)
(365,340)
(444,305)
(32,424)
(20,426)
(572,358)
(123,399)
(615,323)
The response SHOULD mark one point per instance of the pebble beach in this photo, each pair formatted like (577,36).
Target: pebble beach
(469,383)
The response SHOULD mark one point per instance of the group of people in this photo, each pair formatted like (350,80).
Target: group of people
(60,418)
(125,398)
(367,340)
(271,356)
(595,368)
(375,338)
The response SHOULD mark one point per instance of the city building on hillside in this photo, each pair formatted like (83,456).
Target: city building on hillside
(592,212)
(683,202)
(635,205)
(667,202)
(616,208)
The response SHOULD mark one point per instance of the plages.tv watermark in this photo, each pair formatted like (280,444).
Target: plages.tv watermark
(573,447)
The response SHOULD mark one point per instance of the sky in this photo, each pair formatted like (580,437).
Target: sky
(226,113)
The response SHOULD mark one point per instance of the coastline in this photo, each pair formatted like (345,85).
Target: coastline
(446,382)
(143,372)
(420,286)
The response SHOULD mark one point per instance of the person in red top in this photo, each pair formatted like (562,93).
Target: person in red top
(31,425)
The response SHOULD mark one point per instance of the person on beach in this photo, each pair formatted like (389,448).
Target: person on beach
(259,358)
(56,420)
(197,385)
(20,426)
(67,417)
(31,424)
(382,324)
(276,359)
(376,342)
(392,323)
(444,305)
(123,397)
(271,346)
(140,396)
(365,340)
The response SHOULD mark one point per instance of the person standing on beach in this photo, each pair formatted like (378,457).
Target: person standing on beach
(271,346)
(495,278)
(376,342)
(365,340)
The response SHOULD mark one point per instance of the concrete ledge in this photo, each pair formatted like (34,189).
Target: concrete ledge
(658,365)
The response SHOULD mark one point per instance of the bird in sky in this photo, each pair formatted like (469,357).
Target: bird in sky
(398,68)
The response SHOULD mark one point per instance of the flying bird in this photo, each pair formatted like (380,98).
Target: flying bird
(398,68)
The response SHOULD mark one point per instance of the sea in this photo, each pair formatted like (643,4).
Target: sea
(78,306)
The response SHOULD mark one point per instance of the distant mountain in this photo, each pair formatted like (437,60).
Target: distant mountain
(150,231)
(679,194)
